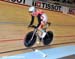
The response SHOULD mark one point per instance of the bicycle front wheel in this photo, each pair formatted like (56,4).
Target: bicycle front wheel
(30,39)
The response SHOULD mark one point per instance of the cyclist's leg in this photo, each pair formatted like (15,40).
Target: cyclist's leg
(42,30)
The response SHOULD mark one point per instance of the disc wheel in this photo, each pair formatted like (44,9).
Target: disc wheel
(48,38)
(29,41)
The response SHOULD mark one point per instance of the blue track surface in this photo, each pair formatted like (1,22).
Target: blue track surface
(52,53)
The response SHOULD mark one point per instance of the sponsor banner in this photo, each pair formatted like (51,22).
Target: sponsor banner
(23,2)
(65,10)
(45,5)
(49,6)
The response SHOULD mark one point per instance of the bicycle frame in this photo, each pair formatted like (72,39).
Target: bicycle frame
(36,29)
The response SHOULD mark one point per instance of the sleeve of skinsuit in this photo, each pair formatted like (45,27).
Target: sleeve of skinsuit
(32,21)
(39,20)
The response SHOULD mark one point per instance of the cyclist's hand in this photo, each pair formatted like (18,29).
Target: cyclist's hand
(49,23)
(32,26)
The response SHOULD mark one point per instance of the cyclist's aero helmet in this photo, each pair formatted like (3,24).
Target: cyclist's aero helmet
(32,9)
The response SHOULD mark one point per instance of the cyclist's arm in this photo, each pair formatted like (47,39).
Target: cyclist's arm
(32,21)
(39,20)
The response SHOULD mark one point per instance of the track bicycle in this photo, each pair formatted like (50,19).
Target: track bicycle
(32,36)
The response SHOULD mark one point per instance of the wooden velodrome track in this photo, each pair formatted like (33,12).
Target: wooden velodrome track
(13,27)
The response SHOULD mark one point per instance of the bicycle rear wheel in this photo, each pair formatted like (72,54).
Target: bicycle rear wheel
(48,38)
(30,39)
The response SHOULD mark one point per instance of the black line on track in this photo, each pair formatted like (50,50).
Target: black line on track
(33,48)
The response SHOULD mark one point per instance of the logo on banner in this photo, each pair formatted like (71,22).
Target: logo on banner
(38,4)
(72,11)
(18,1)
(47,5)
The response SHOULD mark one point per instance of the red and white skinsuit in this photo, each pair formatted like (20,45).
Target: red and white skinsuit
(41,16)
(42,20)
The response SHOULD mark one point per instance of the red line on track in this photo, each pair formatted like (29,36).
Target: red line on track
(22,39)
(10,40)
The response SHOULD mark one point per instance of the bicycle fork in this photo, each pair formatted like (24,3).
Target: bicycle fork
(32,36)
